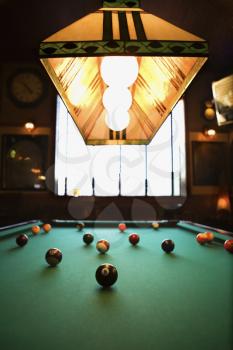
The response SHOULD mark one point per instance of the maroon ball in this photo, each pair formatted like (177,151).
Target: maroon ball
(134,238)
(228,245)
(22,240)
(88,238)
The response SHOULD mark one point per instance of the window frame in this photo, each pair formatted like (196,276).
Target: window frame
(174,200)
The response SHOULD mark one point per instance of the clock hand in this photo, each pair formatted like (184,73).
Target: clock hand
(27,87)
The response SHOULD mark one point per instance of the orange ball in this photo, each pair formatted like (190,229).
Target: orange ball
(35,229)
(209,236)
(47,227)
(122,227)
(201,239)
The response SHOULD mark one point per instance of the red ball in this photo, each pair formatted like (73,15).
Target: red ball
(122,227)
(134,238)
(201,238)
(228,245)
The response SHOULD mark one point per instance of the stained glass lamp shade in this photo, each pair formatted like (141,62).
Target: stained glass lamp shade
(166,59)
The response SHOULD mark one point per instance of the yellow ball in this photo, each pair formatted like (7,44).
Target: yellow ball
(155,225)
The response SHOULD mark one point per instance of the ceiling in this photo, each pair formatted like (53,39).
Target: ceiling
(24,24)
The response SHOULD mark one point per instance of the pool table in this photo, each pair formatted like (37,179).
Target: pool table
(182,300)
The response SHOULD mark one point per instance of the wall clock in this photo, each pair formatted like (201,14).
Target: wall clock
(26,87)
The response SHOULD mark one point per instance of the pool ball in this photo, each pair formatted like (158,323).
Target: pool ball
(47,227)
(106,275)
(22,240)
(122,227)
(88,238)
(102,246)
(209,236)
(155,225)
(53,256)
(168,245)
(201,238)
(134,238)
(35,229)
(228,245)
(80,226)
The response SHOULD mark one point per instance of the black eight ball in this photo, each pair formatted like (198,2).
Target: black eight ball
(106,275)
(168,245)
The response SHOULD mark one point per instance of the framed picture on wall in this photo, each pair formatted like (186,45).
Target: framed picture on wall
(208,162)
(223,98)
(24,161)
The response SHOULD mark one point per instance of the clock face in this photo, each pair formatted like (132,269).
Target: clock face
(26,88)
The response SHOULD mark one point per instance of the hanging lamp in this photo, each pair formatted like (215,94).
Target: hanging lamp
(90,61)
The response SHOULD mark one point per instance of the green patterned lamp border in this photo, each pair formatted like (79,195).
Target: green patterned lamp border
(122,3)
(136,48)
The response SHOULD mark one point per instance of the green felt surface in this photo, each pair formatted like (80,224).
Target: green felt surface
(161,301)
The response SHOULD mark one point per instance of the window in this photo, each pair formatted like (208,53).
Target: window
(158,169)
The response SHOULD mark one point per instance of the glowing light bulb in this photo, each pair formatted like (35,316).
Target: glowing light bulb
(119,70)
(29,126)
(209,132)
(117,120)
(114,98)
(119,73)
